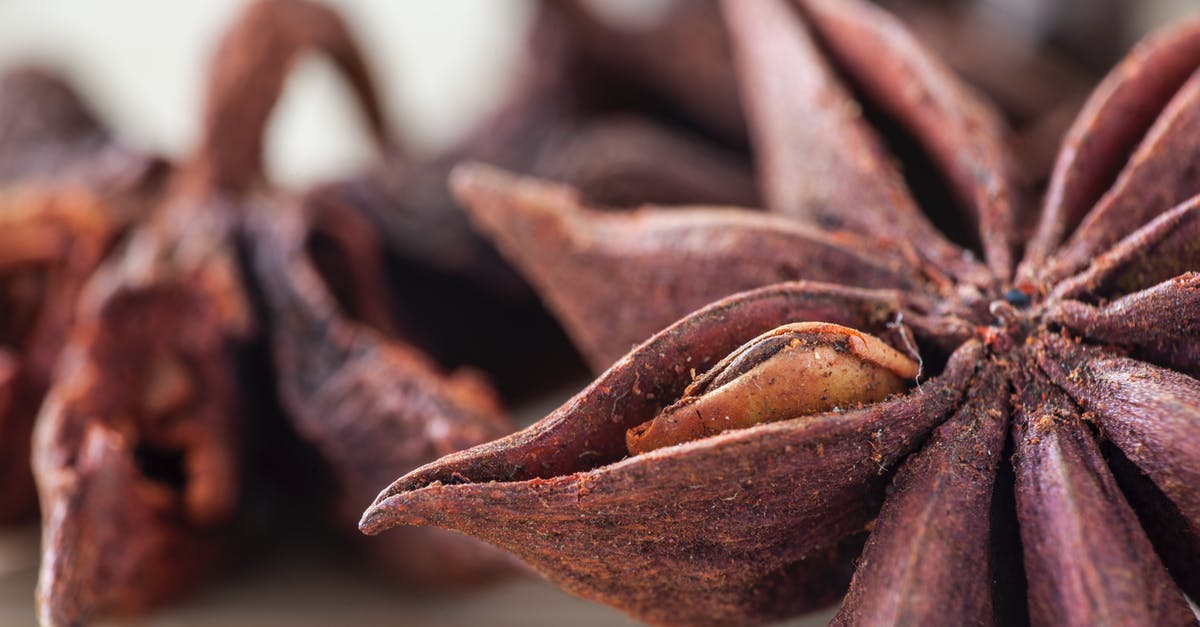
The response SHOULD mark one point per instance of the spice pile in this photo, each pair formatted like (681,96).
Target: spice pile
(946,375)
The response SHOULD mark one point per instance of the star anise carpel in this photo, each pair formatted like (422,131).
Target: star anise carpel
(598,107)
(138,450)
(68,192)
(1037,365)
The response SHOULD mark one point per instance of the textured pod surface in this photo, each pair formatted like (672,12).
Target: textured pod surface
(589,429)
(726,501)
(587,263)
(1161,323)
(1165,248)
(1150,413)
(966,510)
(820,160)
(1068,503)
(935,526)
(963,135)
(155,353)
(373,406)
(1112,122)
(1158,175)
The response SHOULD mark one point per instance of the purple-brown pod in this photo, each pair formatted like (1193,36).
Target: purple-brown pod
(822,160)
(1126,159)
(693,522)
(1149,413)
(612,279)
(745,526)
(138,449)
(1087,560)
(1161,323)
(944,571)
(371,405)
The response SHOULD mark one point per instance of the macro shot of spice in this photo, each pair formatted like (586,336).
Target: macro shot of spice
(600,312)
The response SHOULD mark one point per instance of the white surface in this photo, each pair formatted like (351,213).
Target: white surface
(440,64)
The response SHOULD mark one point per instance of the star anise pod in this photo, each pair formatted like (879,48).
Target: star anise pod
(138,446)
(372,405)
(49,134)
(68,192)
(51,240)
(1029,376)
(564,119)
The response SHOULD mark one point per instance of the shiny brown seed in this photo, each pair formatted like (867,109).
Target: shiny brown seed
(794,370)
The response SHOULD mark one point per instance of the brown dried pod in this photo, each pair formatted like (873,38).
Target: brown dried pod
(50,242)
(549,127)
(372,406)
(752,524)
(949,484)
(48,134)
(821,164)
(679,61)
(68,192)
(559,123)
(585,261)
(1075,525)
(663,534)
(1130,158)
(137,448)
(1150,414)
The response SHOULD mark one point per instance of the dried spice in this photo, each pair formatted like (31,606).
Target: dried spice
(68,192)
(763,522)
(373,406)
(551,125)
(47,133)
(561,122)
(678,63)
(51,241)
(137,450)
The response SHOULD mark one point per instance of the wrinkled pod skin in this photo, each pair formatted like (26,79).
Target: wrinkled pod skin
(373,406)
(985,492)
(560,495)
(563,120)
(68,192)
(550,126)
(138,447)
(839,208)
(52,239)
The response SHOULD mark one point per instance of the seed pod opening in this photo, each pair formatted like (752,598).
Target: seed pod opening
(793,370)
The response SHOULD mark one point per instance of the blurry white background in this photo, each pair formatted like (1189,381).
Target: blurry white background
(142,64)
